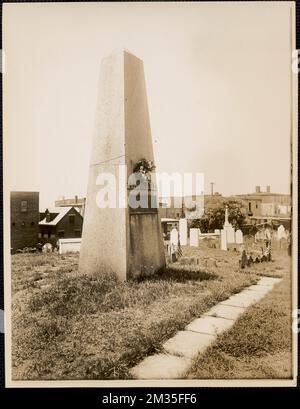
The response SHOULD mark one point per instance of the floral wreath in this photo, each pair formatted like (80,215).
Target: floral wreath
(144,166)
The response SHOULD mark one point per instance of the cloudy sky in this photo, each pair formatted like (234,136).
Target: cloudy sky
(218,84)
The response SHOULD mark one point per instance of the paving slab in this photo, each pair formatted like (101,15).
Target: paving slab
(188,343)
(254,295)
(259,288)
(269,281)
(161,366)
(225,311)
(240,300)
(210,325)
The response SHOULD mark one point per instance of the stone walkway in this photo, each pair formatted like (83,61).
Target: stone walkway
(199,334)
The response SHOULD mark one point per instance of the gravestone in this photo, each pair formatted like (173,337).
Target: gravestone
(223,240)
(173,247)
(281,232)
(244,260)
(69,245)
(210,263)
(194,237)
(47,248)
(118,238)
(174,236)
(183,231)
(230,233)
(239,237)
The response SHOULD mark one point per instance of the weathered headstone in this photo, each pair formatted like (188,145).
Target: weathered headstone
(47,248)
(239,237)
(211,263)
(119,238)
(223,240)
(183,231)
(281,232)
(194,237)
(244,259)
(69,245)
(174,238)
(230,234)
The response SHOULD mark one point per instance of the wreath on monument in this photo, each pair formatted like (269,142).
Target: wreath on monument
(142,169)
(145,167)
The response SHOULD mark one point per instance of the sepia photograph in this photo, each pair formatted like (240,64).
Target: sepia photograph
(150,194)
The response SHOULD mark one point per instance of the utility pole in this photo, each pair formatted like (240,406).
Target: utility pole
(212,188)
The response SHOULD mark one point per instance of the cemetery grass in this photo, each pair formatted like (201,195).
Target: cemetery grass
(71,326)
(259,345)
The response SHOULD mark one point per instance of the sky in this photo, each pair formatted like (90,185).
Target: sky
(218,84)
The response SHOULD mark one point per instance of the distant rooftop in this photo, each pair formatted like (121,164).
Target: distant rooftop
(61,214)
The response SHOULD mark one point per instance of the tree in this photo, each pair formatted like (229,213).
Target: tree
(214,217)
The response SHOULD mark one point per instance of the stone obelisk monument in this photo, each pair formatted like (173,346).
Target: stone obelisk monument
(118,238)
(228,228)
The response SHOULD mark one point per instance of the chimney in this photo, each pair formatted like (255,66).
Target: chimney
(76,198)
(257,189)
(268,189)
(48,217)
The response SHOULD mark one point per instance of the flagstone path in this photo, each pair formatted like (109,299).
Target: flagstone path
(199,334)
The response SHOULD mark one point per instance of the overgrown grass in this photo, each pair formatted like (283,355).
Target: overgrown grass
(259,345)
(94,327)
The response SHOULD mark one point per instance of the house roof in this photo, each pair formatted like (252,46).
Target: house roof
(62,212)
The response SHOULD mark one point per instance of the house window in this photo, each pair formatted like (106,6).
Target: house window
(24,206)
(13,224)
(256,206)
(61,233)
(32,223)
(71,218)
(45,235)
(249,205)
(77,233)
(40,235)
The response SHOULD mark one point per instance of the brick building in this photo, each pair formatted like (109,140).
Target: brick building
(24,216)
(65,222)
(266,204)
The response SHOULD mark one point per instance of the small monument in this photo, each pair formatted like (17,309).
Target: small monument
(228,228)
(183,231)
(281,232)
(194,237)
(239,237)
(174,239)
(120,238)
(223,240)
